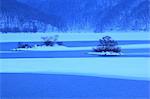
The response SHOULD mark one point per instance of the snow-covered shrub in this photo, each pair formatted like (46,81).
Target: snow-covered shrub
(50,41)
(107,44)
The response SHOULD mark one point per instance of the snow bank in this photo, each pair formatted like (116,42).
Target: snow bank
(128,68)
(54,48)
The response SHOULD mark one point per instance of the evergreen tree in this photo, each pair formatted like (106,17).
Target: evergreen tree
(107,44)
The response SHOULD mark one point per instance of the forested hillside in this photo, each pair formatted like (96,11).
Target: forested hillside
(77,15)
(19,17)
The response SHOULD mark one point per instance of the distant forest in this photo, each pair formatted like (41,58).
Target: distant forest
(74,15)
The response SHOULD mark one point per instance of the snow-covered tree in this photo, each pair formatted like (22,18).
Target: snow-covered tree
(50,41)
(107,44)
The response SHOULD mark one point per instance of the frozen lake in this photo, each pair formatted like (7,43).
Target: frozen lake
(70,54)
(45,73)
(52,86)
(5,50)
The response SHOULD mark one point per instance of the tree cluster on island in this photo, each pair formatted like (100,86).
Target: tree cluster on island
(47,41)
(107,44)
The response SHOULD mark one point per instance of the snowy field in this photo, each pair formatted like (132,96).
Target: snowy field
(137,68)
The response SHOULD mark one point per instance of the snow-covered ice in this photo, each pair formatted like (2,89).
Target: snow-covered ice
(65,48)
(34,37)
(113,67)
(128,68)
(105,53)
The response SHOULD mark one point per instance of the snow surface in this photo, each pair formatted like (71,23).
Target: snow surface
(128,68)
(105,53)
(64,48)
(114,67)
(33,37)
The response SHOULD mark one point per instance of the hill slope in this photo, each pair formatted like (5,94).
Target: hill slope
(98,15)
(89,15)
(16,16)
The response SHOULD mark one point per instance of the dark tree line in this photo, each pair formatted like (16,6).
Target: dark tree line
(17,24)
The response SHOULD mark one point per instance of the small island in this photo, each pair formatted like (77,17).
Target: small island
(107,47)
